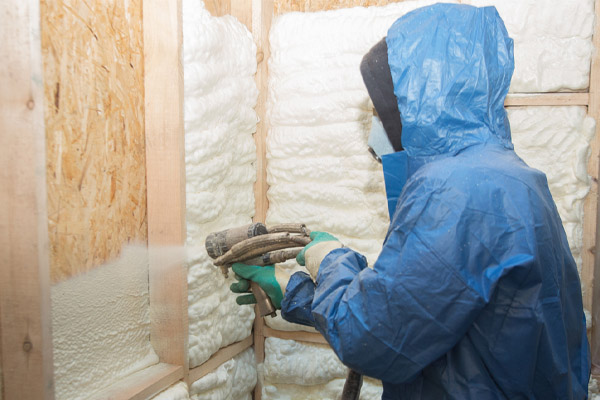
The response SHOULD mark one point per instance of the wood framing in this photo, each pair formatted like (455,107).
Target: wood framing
(25,323)
(221,356)
(546,99)
(143,384)
(165,174)
(591,232)
(262,15)
(300,336)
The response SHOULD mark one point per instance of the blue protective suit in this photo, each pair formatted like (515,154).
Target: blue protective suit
(475,294)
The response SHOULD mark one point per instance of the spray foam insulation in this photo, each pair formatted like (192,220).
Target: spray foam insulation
(94,121)
(101,326)
(219,99)
(319,112)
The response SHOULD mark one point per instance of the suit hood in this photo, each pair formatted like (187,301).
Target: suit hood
(451,68)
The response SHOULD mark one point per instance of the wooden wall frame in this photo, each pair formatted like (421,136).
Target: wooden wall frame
(25,338)
(25,323)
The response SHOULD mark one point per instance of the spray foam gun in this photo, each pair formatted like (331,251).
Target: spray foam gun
(257,244)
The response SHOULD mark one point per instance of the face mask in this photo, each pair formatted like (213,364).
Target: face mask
(379,143)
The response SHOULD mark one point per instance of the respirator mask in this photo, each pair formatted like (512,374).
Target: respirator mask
(386,128)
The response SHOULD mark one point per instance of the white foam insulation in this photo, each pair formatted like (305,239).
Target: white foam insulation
(319,113)
(234,379)
(178,391)
(553,42)
(219,60)
(101,326)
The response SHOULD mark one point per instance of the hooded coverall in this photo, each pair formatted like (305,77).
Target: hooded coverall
(475,294)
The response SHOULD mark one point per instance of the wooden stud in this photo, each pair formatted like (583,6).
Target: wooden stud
(242,10)
(25,322)
(300,336)
(262,15)
(165,171)
(142,384)
(221,356)
(547,99)
(218,8)
(591,235)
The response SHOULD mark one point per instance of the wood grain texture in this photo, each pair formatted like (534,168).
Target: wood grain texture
(26,341)
(165,170)
(94,112)
(299,336)
(221,356)
(142,384)
(591,222)
(283,6)
(546,99)
(262,15)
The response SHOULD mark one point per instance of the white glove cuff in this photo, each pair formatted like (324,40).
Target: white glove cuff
(315,255)
(282,276)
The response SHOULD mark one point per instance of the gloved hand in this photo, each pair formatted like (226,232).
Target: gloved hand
(313,254)
(271,279)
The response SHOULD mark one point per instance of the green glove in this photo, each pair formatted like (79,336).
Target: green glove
(313,254)
(271,279)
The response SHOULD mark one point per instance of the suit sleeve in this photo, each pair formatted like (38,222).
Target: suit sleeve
(391,321)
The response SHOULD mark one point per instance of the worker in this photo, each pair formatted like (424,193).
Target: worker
(475,294)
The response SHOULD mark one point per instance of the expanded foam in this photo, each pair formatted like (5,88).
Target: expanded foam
(234,379)
(178,391)
(553,42)
(101,326)
(320,172)
(219,61)
(556,140)
(300,371)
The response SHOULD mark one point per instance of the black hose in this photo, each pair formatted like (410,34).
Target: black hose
(352,386)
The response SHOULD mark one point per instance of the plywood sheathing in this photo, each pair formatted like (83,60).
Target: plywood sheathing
(94,113)
(283,6)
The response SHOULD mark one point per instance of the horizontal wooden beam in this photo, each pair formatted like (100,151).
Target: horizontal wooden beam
(224,354)
(547,99)
(299,336)
(142,384)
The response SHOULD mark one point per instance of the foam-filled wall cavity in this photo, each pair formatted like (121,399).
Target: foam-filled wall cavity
(234,379)
(219,58)
(553,42)
(178,391)
(294,370)
(101,326)
(556,140)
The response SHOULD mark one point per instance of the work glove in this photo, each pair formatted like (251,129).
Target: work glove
(313,254)
(271,279)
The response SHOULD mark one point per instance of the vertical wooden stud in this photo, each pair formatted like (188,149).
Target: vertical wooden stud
(25,321)
(165,175)
(591,261)
(262,15)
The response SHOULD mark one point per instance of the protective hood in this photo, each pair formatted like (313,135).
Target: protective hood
(451,67)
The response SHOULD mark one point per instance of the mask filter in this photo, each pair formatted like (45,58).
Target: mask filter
(379,143)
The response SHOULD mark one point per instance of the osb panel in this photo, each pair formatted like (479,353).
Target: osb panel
(94,116)
(283,6)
